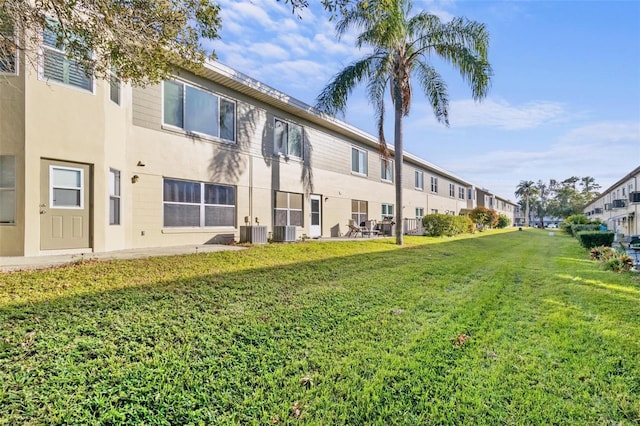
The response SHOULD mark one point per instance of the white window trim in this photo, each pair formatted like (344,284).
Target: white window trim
(434,183)
(202,205)
(206,136)
(51,206)
(422,210)
(421,174)
(15,193)
(382,167)
(286,154)
(41,77)
(15,61)
(383,215)
(360,213)
(452,190)
(118,196)
(120,91)
(288,209)
(366,161)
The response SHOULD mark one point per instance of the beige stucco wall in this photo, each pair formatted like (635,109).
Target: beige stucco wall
(73,125)
(12,125)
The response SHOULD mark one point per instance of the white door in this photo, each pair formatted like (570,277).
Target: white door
(315,227)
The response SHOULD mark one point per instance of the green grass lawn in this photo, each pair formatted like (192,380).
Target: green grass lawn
(327,333)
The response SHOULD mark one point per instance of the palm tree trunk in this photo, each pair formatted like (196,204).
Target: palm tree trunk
(526,217)
(398,165)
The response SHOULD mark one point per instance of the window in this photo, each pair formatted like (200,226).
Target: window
(358,161)
(114,88)
(57,66)
(470,194)
(199,111)
(67,187)
(434,184)
(8,51)
(287,139)
(198,204)
(461,193)
(419,212)
(419,184)
(387,212)
(288,209)
(386,170)
(359,211)
(434,211)
(7,189)
(114,197)
(452,190)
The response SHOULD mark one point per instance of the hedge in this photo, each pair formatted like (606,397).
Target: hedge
(590,239)
(580,227)
(437,225)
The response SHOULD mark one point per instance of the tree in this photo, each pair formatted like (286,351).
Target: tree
(542,200)
(143,40)
(589,188)
(484,217)
(403,45)
(525,190)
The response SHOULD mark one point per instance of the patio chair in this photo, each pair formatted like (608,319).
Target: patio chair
(354,229)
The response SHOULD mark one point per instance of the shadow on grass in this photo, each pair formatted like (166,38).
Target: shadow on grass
(227,337)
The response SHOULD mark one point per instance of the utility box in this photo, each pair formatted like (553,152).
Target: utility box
(284,234)
(253,234)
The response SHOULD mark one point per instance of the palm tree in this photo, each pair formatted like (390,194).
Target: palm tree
(403,46)
(525,190)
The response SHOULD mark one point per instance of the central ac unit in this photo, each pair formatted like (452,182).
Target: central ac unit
(284,234)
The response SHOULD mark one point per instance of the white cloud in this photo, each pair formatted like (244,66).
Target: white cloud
(606,132)
(269,51)
(572,154)
(500,114)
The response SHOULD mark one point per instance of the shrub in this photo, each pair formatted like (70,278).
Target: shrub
(437,225)
(434,224)
(503,221)
(590,239)
(575,228)
(574,219)
(602,253)
(620,262)
(483,216)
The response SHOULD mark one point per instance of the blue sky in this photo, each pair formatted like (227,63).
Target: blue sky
(564,100)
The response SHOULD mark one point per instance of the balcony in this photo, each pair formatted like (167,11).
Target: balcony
(617,204)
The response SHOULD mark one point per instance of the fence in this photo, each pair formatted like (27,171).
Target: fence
(412,226)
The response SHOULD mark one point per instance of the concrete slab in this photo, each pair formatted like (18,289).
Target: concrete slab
(16,263)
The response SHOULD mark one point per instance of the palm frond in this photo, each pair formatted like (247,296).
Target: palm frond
(375,93)
(473,69)
(333,98)
(435,89)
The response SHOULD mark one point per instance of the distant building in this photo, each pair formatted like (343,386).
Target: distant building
(619,205)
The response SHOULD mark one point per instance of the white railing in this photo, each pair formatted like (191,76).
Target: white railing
(412,226)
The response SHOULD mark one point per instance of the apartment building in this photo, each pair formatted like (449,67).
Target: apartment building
(619,205)
(90,165)
(486,198)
